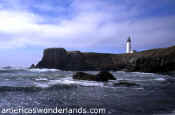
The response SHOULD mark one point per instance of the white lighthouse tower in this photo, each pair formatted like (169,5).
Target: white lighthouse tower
(128,46)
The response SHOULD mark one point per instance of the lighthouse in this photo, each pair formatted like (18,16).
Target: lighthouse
(128,46)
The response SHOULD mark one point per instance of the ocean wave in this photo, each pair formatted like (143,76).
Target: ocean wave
(54,84)
(160,79)
(41,79)
(44,70)
(70,81)
(13,88)
(142,73)
(36,87)
(13,68)
(123,72)
(41,85)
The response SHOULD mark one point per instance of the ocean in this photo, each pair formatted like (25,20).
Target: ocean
(51,91)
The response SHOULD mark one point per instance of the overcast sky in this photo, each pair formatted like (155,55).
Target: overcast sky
(29,26)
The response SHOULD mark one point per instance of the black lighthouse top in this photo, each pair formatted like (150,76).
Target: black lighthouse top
(129,39)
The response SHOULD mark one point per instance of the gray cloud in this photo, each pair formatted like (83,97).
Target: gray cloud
(94,25)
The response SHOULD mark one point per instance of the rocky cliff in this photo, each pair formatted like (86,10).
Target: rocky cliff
(155,60)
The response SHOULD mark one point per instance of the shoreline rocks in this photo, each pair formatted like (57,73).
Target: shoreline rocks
(101,76)
(32,66)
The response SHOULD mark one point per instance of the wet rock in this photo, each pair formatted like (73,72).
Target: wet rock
(32,66)
(102,76)
(84,76)
(105,76)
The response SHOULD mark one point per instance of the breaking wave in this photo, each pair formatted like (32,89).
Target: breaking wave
(37,87)
(44,70)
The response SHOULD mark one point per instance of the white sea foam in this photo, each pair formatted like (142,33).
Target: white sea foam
(142,73)
(133,80)
(139,88)
(70,81)
(87,83)
(43,70)
(121,71)
(7,79)
(42,85)
(160,79)
(41,79)
(132,72)
(50,83)
(54,82)
(92,83)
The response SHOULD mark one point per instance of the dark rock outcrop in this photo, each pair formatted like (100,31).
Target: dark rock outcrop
(32,66)
(105,76)
(54,58)
(155,60)
(102,76)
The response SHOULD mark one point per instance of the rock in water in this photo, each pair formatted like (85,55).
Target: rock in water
(102,76)
(84,76)
(32,66)
(105,76)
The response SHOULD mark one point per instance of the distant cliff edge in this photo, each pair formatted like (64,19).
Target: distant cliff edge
(155,60)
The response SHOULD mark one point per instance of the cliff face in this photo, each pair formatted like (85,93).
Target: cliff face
(156,60)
